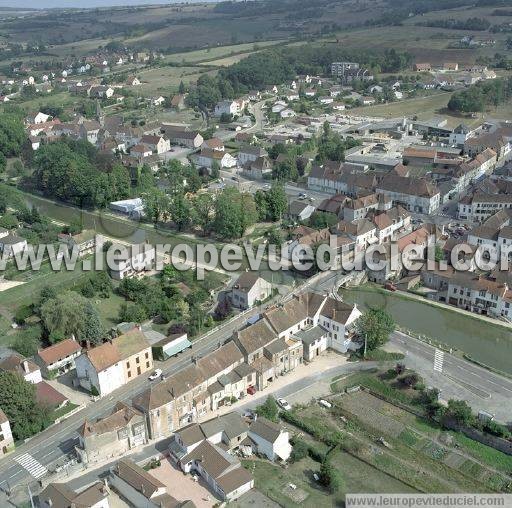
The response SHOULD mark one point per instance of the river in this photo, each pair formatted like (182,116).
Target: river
(483,341)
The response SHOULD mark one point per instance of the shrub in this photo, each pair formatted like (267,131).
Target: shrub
(300,450)
(23,312)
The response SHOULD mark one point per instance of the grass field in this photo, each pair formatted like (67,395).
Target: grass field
(423,107)
(164,79)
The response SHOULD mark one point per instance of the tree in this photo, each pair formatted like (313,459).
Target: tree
(234,213)
(93,329)
(411,379)
(180,211)
(68,314)
(223,309)
(215,170)
(131,312)
(12,134)
(156,204)
(28,340)
(329,476)
(322,220)
(18,401)
(181,88)
(457,411)
(375,326)
(204,206)
(269,409)
(300,450)
(277,201)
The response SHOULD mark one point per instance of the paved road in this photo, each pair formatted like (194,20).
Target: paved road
(52,445)
(459,378)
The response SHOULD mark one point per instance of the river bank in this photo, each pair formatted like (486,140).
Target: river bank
(484,342)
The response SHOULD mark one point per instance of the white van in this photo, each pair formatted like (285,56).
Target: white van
(324,403)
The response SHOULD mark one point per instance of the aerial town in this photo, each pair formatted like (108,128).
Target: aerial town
(374,134)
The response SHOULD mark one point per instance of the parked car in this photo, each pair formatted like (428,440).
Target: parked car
(155,375)
(284,404)
(325,403)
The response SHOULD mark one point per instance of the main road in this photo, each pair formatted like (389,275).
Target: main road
(459,378)
(51,446)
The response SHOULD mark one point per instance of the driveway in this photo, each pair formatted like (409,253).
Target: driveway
(183,487)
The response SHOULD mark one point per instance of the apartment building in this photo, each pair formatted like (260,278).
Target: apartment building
(113,435)
(414,194)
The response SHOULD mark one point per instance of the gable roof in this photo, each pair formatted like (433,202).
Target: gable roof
(255,336)
(121,416)
(59,351)
(137,478)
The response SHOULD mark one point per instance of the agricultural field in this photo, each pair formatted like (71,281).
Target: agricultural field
(208,54)
(162,80)
(382,448)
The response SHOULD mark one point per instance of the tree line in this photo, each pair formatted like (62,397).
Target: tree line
(280,65)
(482,95)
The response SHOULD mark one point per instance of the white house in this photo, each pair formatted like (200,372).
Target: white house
(207,156)
(141,258)
(103,369)
(271,440)
(27,369)
(61,495)
(248,289)
(11,245)
(249,153)
(158,144)
(36,118)
(59,358)
(229,107)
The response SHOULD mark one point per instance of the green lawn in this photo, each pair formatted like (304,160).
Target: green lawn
(28,292)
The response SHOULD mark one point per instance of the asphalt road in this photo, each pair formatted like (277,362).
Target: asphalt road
(51,446)
(459,379)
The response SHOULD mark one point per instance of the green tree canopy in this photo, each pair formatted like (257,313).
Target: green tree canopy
(375,326)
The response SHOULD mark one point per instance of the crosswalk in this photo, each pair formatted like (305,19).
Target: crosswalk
(35,468)
(438,360)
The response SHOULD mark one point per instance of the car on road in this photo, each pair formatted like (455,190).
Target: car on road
(302,195)
(155,375)
(284,404)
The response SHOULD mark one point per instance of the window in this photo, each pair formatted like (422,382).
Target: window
(137,360)
(127,365)
(129,373)
(122,433)
(138,371)
(147,365)
(147,355)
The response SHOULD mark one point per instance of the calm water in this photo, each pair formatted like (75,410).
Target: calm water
(483,341)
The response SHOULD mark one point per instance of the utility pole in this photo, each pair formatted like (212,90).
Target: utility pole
(365,344)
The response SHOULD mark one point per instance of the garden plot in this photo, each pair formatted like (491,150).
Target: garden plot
(372,411)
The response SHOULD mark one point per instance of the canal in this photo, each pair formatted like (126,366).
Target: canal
(483,341)
(137,232)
